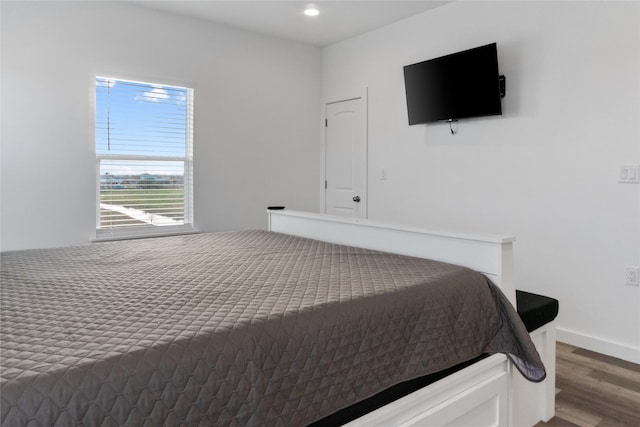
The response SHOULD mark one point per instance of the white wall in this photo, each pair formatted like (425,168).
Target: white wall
(256,114)
(545,171)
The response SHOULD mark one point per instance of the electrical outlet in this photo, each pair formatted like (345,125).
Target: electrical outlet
(632,276)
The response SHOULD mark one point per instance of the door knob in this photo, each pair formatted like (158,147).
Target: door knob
(356,199)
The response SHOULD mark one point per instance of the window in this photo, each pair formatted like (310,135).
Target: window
(144,158)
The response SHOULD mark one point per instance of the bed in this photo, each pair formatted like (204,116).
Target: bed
(280,327)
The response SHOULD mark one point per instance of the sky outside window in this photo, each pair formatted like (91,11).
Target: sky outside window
(140,119)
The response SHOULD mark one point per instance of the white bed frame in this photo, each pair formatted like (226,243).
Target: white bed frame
(488,393)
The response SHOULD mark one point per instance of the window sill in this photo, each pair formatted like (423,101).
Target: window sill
(105,235)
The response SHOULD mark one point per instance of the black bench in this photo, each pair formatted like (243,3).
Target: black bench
(535,310)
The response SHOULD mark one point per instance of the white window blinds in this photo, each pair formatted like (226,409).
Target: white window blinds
(144,156)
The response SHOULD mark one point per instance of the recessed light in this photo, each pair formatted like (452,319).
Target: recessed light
(311,11)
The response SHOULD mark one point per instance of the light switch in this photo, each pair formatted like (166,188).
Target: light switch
(629,174)
(383,174)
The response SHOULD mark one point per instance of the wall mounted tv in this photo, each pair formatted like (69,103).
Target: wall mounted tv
(457,86)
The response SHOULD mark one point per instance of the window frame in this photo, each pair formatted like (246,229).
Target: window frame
(141,231)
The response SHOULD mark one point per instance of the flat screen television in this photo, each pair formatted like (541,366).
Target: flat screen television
(457,86)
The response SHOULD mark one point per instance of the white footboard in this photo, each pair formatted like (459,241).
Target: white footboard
(488,393)
(491,255)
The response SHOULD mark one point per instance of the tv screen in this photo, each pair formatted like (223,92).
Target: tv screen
(461,85)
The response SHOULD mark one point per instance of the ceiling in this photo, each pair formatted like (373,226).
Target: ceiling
(338,20)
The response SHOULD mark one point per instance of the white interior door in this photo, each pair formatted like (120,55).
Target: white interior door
(346,158)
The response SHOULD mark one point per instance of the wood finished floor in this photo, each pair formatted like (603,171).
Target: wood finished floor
(595,390)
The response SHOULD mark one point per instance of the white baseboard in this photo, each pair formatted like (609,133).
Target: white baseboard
(599,345)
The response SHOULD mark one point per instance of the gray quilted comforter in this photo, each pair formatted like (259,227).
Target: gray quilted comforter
(240,328)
